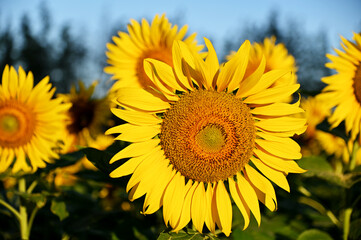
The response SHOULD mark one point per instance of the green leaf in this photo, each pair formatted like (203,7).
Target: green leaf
(314,234)
(355,230)
(240,234)
(187,234)
(64,161)
(59,209)
(39,199)
(101,159)
(318,166)
(314,165)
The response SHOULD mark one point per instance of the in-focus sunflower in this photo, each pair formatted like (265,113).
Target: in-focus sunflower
(343,90)
(31,122)
(211,128)
(143,41)
(87,118)
(277,57)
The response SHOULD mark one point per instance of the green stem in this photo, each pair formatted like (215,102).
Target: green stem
(10,208)
(332,217)
(346,223)
(352,163)
(32,186)
(31,219)
(23,213)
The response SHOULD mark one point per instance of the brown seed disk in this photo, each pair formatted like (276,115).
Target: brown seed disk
(17,124)
(208,136)
(82,115)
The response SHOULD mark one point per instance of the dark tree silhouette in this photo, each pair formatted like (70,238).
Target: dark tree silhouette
(35,53)
(68,60)
(6,48)
(308,49)
(60,58)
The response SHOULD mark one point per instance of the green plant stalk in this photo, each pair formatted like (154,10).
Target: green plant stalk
(346,223)
(10,208)
(23,213)
(32,186)
(31,219)
(352,163)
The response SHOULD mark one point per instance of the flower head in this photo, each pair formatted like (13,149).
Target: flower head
(277,57)
(343,90)
(202,129)
(31,122)
(87,118)
(142,41)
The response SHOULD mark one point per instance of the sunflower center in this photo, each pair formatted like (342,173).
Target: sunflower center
(82,115)
(211,138)
(161,54)
(17,124)
(208,136)
(357,83)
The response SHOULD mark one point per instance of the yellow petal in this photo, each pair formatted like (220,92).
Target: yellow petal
(210,222)
(141,99)
(135,149)
(134,133)
(275,176)
(263,185)
(135,117)
(173,190)
(279,149)
(252,80)
(13,82)
(228,70)
(186,209)
(224,207)
(281,124)
(128,167)
(211,63)
(272,95)
(264,82)
(249,196)
(240,202)
(179,52)
(153,199)
(143,167)
(157,69)
(198,211)
(278,163)
(277,109)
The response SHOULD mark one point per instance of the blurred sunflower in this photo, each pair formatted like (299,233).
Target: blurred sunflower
(31,122)
(277,57)
(314,140)
(207,127)
(87,118)
(143,41)
(343,93)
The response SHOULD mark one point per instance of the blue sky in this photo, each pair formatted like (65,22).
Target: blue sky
(211,19)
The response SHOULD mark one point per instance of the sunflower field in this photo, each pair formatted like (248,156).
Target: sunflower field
(183,144)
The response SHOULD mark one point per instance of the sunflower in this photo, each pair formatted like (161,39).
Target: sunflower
(209,128)
(343,90)
(87,118)
(143,41)
(31,122)
(277,57)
